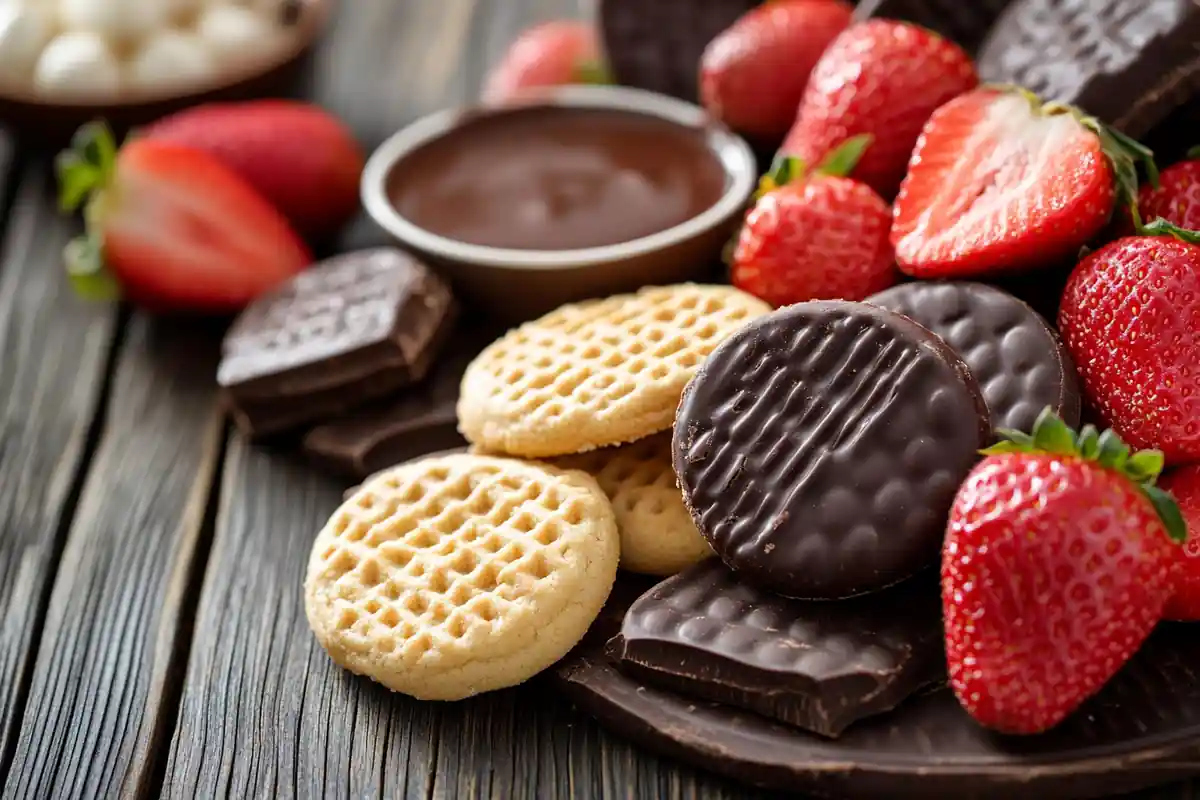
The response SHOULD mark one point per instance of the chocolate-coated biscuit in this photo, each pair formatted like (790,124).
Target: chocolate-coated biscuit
(347,331)
(657,44)
(966,23)
(817,665)
(1016,357)
(820,447)
(1127,62)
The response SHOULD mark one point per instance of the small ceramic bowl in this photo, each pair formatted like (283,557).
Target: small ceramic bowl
(52,123)
(516,285)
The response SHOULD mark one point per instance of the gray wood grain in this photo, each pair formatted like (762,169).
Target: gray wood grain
(101,703)
(52,364)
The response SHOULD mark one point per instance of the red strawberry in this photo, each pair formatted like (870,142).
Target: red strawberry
(881,78)
(753,75)
(550,54)
(297,155)
(822,237)
(1059,557)
(1001,183)
(175,228)
(1130,317)
(1184,486)
(1177,197)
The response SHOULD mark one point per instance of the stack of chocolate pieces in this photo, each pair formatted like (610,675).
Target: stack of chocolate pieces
(818,450)
(352,351)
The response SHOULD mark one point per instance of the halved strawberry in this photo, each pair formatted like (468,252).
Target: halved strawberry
(1001,183)
(171,228)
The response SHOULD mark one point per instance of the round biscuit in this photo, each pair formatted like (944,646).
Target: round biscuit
(658,535)
(597,373)
(459,574)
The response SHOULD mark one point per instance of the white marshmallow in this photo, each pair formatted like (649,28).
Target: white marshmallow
(78,64)
(25,29)
(170,60)
(235,34)
(115,20)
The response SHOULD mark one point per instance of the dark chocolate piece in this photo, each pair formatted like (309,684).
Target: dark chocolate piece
(1127,62)
(1016,357)
(818,665)
(965,23)
(820,447)
(350,330)
(657,44)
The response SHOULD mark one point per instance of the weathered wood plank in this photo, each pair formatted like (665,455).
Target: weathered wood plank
(101,704)
(53,354)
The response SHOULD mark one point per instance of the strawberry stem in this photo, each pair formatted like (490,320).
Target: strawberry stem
(85,171)
(1051,435)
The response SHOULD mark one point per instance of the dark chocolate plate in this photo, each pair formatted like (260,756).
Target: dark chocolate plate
(54,123)
(1142,730)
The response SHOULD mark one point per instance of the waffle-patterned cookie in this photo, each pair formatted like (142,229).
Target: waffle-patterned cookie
(966,23)
(598,373)
(658,536)
(461,574)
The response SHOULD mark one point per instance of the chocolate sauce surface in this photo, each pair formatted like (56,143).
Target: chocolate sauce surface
(549,178)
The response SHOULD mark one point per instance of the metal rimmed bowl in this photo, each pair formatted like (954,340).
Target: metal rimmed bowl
(517,285)
(52,122)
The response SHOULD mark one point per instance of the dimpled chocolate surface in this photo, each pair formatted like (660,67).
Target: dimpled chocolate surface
(820,447)
(966,22)
(1128,62)
(657,44)
(1014,354)
(815,664)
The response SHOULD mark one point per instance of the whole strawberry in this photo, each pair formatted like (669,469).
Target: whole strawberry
(1177,197)
(1001,183)
(297,155)
(1130,318)
(815,237)
(171,228)
(1184,485)
(1059,557)
(881,78)
(753,75)
(550,54)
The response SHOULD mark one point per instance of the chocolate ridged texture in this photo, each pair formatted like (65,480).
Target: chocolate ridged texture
(965,22)
(1141,730)
(1016,357)
(350,330)
(1127,62)
(820,447)
(657,44)
(818,665)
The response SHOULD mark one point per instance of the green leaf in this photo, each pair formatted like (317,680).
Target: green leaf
(1124,155)
(76,180)
(1161,227)
(85,267)
(1194,152)
(1002,447)
(1089,442)
(1112,451)
(1145,466)
(842,160)
(1168,512)
(593,71)
(1052,435)
(1019,438)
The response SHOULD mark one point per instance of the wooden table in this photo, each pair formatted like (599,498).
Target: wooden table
(152,639)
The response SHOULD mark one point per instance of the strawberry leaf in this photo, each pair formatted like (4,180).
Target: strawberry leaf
(593,71)
(1144,466)
(1052,435)
(1089,442)
(84,258)
(87,167)
(1161,227)
(1113,453)
(1194,152)
(842,160)
(1168,512)
(784,170)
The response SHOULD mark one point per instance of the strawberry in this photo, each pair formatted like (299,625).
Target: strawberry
(1130,318)
(173,228)
(1184,485)
(1001,183)
(753,75)
(550,54)
(821,237)
(1177,197)
(297,155)
(1058,560)
(881,78)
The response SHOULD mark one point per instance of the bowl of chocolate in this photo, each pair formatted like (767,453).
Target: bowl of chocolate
(564,194)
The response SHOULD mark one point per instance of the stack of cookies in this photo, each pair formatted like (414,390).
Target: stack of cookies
(465,572)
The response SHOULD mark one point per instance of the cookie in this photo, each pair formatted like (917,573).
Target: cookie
(460,574)
(819,449)
(597,373)
(658,536)
(965,23)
